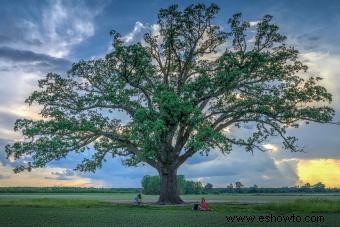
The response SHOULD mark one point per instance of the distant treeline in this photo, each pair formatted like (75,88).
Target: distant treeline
(66,190)
(307,188)
(150,186)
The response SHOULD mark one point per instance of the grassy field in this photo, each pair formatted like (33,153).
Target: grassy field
(211,198)
(116,209)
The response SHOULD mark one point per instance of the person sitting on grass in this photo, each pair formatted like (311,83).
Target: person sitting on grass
(203,206)
(139,196)
(138,199)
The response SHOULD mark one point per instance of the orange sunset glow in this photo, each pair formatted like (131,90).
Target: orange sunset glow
(326,171)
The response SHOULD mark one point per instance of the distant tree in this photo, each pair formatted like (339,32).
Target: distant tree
(253,189)
(190,187)
(193,187)
(238,185)
(198,186)
(181,89)
(306,187)
(151,185)
(208,187)
(230,185)
(319,187)
(230,188)
(181,184)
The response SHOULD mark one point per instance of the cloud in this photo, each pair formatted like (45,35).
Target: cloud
(325,65)
(136,34)
(44,178)
(4,177)
(253,23)
(66,26)
(112,173)
(28,50)
(35,59)
(18,33)
(53,29)
(198,158)
(326,171)
(155,30)
(34,46)
(271,147)
(15,87)
(66,174)
(260,168)
(3,160)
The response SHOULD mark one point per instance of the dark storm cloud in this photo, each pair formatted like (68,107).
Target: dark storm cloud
(16,30)
(260,168)
(319,141)
(4,39)
(27,56)
(235,163)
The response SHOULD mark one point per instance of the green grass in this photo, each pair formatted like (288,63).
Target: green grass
(303,206)
(69,210)
(56,203)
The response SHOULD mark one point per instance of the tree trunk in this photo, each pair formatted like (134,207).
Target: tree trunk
(169,193)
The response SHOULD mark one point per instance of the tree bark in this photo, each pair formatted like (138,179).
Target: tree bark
(169,193)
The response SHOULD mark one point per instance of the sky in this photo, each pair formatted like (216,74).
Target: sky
(37,37)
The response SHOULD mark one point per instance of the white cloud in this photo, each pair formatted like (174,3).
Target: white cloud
(59,28)
(156,30)
(15,87)
(253,23)
(65,27)
(271,147)
(136,34)
(327,66)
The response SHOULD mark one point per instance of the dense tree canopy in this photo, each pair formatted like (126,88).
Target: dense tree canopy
(151,185)
(182,88)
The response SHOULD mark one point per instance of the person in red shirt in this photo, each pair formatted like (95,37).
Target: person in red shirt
(203,205)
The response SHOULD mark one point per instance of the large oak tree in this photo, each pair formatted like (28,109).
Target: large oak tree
(181,88)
